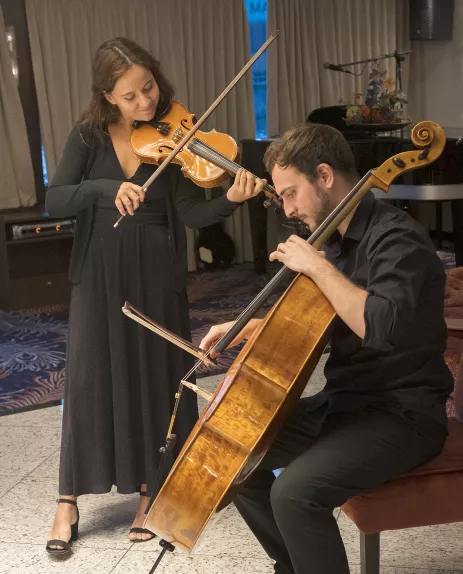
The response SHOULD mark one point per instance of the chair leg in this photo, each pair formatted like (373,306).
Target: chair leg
(369,553)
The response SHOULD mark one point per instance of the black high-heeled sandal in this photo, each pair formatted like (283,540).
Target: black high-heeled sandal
(137,530)
(66,546)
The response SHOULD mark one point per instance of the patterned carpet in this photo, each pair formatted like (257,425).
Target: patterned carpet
(33,342)
(32,357)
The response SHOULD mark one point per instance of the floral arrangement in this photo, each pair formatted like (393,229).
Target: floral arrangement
(381,104)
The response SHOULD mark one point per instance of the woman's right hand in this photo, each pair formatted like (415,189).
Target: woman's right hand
(128,198)
(218,331)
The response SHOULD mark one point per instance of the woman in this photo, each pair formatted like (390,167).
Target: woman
(120,378)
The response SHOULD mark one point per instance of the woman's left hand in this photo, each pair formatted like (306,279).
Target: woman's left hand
(299,256)
(244,187)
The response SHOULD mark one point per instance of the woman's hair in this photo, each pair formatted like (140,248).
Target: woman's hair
(112,59)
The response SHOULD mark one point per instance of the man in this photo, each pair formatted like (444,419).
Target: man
(382,411)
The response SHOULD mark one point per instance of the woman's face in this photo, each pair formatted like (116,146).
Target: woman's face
(136,94)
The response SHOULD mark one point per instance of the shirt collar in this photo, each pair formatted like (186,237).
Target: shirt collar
(359,221)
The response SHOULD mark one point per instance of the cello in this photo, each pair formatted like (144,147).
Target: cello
(261,388)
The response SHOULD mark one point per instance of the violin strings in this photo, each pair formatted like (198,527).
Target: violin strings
(218,159)
(210,154)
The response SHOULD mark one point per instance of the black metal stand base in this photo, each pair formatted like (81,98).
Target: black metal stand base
(166,547)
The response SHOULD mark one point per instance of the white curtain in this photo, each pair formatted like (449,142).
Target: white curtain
(202,44)
(17,186)
(312,32)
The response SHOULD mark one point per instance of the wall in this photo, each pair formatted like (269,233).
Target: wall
(435,92)
(436,77)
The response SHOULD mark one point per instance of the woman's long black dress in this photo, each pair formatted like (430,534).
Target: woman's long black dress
(120,377)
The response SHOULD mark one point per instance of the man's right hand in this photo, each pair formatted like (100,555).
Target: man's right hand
(218,331)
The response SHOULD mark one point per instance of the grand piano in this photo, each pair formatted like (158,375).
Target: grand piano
(438,182)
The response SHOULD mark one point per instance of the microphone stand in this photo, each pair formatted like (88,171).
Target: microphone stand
(399,58)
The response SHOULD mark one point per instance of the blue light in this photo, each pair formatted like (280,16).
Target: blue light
(44,168)
(257,19)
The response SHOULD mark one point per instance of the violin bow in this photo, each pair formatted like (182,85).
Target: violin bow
(204,117)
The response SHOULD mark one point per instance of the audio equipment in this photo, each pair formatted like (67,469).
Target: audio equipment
(40,228)
(431,19)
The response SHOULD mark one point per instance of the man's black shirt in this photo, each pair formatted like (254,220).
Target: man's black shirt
(399,364)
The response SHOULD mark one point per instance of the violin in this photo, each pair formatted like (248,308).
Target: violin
(173,148)
(207,159)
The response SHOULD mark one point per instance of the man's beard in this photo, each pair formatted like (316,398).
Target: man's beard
(325,206)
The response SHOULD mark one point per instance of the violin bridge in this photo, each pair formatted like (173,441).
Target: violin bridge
(177,135)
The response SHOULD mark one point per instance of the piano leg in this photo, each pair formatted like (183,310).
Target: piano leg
(439,224)
(258,218)
(457,221)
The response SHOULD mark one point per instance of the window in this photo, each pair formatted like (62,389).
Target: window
(44,168)
(257,19)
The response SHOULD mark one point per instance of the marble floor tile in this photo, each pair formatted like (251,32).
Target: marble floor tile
(399,570)
(27,511)
(176,563)
(22,449)
(46,416)
(229,535)
(33,559)
(48,469)
(7,483)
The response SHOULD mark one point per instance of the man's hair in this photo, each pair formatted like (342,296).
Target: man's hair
(308,145)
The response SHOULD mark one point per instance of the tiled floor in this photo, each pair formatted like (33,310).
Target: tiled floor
(29,456)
